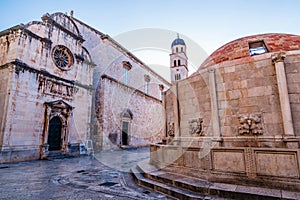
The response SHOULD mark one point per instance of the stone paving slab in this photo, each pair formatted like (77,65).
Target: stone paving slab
(83,178)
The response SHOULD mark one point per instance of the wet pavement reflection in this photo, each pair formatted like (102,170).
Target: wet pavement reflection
(104,176)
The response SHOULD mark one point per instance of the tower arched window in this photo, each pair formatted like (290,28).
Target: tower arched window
(181,49)
(176,49)
(179,63)
(174,63)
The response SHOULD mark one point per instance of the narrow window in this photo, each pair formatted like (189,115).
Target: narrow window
(147,87)
(126,67)
(161,88)
(181,49)
(176,49)
(174,63)
(257,48)
(147,80)
(125,76)
(179,63)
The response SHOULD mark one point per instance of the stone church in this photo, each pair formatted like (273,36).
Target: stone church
(67,87)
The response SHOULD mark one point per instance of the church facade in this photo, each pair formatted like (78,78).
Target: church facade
(65,85)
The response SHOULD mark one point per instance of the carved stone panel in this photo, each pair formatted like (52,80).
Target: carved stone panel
(250,124)
(195,126)
(171,129)
(54,87)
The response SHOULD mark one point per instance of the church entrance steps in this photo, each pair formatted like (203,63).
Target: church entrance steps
(186,187)
(58,155)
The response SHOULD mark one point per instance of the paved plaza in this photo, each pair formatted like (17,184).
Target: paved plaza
(104,176)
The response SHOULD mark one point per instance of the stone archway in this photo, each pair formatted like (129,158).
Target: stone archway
(54,135)
(56,127)
(127,117)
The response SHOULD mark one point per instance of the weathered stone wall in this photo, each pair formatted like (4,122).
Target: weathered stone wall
(6,75)
(108,56)
(292,69)
(170,107)
(244,88)
(249,88)
(24,122)
(8,46)
(194,103)
(147,124)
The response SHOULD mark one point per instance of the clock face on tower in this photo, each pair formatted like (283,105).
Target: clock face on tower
(62,57)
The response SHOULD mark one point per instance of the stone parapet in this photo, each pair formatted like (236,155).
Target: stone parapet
(272,167)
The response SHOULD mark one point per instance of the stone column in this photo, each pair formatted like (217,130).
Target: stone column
(214,105)
(278,60)
(177,115)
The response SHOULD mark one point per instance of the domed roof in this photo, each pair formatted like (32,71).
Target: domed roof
(239,48)
(178,41)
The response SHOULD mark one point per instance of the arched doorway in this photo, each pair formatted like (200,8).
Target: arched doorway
(126,124)
(54,136)
(125,131)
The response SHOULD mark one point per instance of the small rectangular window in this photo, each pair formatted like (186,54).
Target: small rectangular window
(257,48)
(147,87)
(125,75)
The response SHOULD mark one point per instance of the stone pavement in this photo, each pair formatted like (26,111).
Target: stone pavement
(84,178)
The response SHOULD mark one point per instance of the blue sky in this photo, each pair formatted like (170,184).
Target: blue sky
(210,23)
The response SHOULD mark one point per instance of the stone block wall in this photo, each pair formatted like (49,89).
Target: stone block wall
(292,69)
(244,88)
(194,102)
(109,56)
(5,82)
(147,123)
(8,46)
(249,88)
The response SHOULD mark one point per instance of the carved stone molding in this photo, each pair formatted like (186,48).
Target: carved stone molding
(195,126)
(171,129)
(147,78)
(62,110)
(278,57)
(250,124)
(51,86)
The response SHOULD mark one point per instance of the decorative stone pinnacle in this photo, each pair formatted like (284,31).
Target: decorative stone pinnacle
(278,57)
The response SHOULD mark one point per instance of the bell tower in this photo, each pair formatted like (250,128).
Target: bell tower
(178,60)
